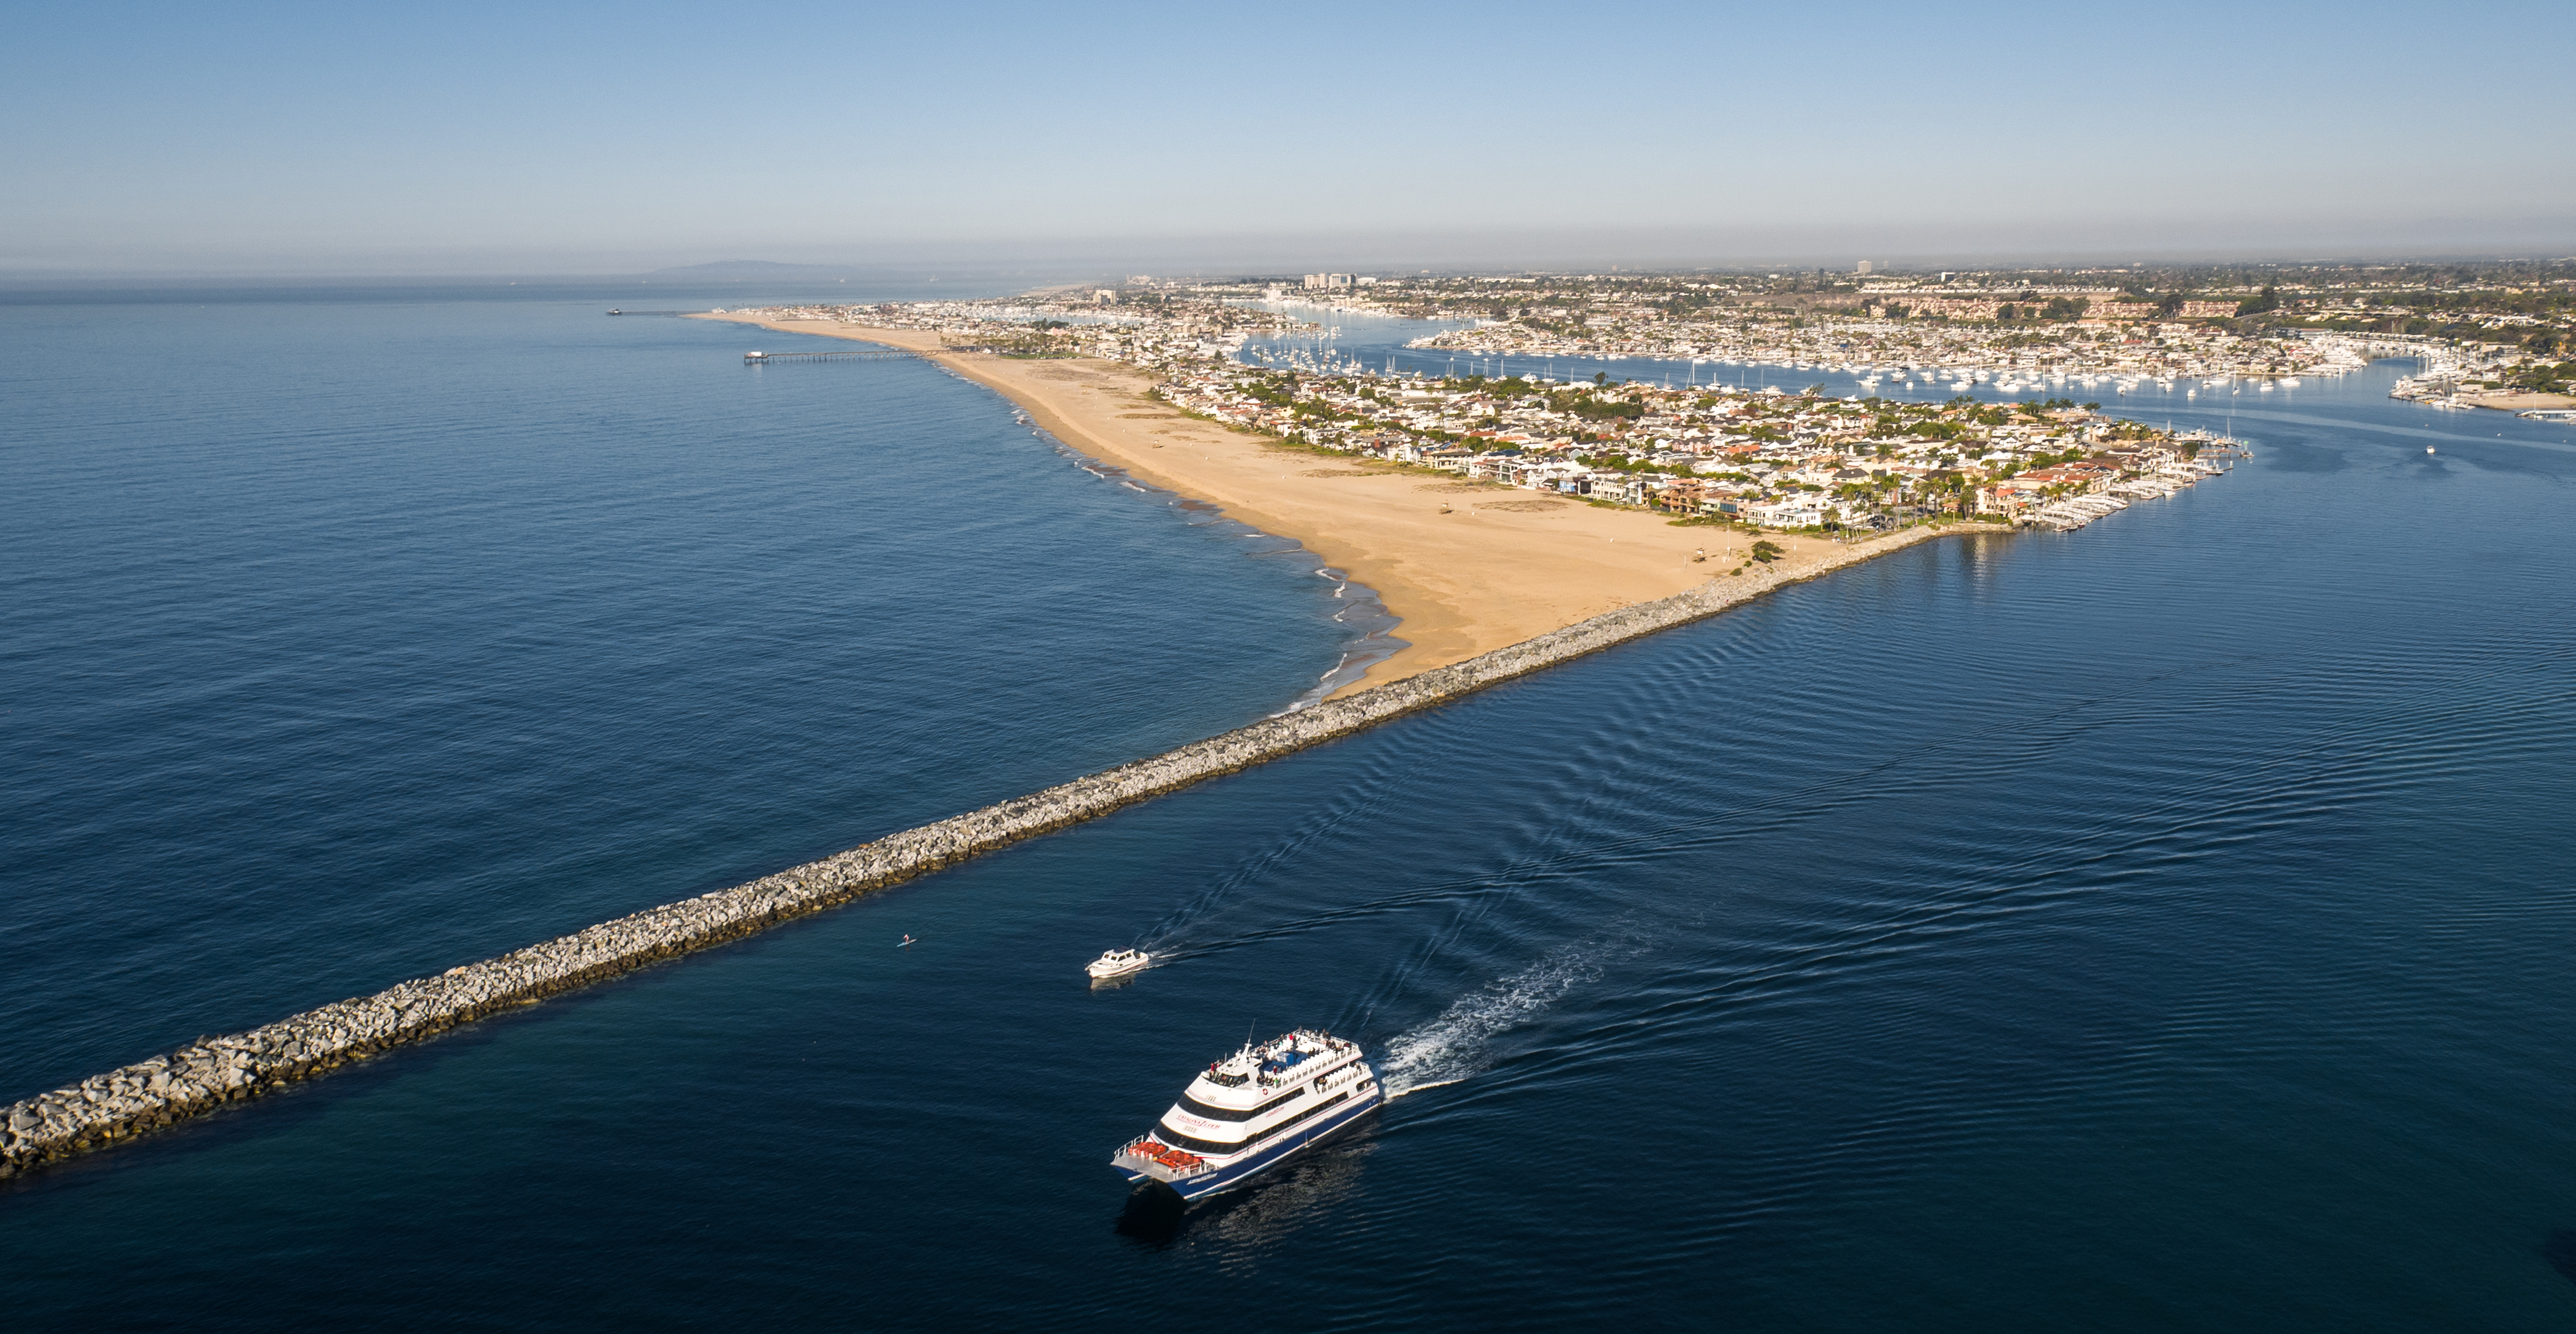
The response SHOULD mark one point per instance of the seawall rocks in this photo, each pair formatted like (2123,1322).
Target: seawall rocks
(121,1104)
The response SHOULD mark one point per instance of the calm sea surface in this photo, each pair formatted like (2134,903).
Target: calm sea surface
(2163,925)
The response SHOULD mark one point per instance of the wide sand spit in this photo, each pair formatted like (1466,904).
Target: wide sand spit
(1483,627)
(1501,565)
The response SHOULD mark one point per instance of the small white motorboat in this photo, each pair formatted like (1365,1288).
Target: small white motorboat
(1117,963)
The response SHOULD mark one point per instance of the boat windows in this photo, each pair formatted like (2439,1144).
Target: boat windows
(1180,1141)
(1240,1113)
(1176,1139)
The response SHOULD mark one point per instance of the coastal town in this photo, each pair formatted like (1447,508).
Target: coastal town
(1762,458)
(2491,335)
(2031,334)
(1517,402)
(1768,459)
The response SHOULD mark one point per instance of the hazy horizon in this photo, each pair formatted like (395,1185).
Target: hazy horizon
(1218,259)
(283,141)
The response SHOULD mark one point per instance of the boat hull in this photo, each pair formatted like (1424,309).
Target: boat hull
(1105,968)
(1242,1171)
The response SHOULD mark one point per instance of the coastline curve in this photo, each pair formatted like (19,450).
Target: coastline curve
(133,1100)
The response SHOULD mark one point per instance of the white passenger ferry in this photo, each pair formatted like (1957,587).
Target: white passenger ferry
(1253,1111)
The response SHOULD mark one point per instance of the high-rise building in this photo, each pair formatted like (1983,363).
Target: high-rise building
(1864,268)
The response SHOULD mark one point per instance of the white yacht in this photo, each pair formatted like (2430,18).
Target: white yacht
(1117,963)
(1253,1111)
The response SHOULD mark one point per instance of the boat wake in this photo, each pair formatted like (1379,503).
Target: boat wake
(1459,1043)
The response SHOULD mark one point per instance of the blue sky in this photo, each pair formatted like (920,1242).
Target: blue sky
(472,138)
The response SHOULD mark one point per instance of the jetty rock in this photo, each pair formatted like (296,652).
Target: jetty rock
(164,1089)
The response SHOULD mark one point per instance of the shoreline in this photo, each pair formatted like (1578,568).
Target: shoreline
(1076,406)
(2519,401)
(1465,567)
(1370,646)
(174,1087)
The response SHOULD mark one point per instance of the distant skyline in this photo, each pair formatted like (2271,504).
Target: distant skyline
(310,140)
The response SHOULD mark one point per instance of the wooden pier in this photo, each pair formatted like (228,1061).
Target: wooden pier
(764,358)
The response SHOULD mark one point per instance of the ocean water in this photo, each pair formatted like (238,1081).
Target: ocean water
(348,639)
(2162,925)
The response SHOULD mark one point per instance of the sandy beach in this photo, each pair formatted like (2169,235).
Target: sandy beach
(2521,400)
(1468,567)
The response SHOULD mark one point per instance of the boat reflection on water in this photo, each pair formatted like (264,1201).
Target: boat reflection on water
(1269,1211)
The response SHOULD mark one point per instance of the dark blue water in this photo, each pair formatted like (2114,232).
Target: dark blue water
(346,640)
(2159,925)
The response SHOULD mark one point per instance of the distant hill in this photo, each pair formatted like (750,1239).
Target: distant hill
(725,269)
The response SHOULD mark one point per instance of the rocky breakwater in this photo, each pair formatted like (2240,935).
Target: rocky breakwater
(121,1104)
